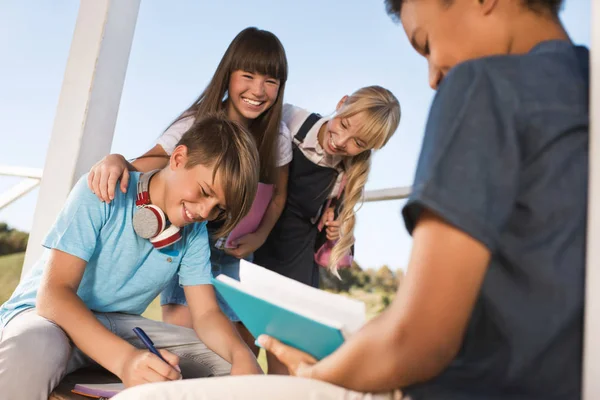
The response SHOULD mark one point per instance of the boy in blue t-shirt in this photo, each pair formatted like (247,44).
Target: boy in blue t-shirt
(80,302)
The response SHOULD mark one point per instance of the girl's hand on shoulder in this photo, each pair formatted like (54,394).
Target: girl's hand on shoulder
(247,245)
(297,362)
(145,367)
(103,177)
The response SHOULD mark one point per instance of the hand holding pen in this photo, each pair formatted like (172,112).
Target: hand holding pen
(149,366)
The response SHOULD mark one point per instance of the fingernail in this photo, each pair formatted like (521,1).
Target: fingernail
(178,369)
(262,339)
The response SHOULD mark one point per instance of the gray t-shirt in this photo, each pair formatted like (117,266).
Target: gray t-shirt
(505,159)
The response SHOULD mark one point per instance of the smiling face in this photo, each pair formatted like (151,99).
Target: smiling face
(250,95)
(192,195)
(449,32)
(343,136)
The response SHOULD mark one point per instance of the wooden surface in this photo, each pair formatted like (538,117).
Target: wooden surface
(63,391)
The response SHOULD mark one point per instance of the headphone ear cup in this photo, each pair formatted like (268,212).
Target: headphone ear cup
(166,238)
(149,221)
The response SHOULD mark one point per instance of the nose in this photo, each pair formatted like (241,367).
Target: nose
(340,140)
(258,87)
(203,210)
(435,76)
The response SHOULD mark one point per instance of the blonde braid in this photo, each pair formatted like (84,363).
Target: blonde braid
(357,173)
(381,116)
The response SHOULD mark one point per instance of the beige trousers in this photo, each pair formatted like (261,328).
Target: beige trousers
(249,387)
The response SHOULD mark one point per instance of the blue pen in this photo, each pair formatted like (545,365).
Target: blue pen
(147,342)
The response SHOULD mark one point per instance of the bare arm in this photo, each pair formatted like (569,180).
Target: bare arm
(216,331)
(422,330)
(57,301)
(253,241)
(103,176)
(155,158)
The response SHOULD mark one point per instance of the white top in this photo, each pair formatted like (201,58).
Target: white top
(169,139)
(294,117)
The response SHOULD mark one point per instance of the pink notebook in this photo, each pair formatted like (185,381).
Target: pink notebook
(251,222)
(98,391)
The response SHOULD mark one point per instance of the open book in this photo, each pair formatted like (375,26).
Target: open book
(309,319)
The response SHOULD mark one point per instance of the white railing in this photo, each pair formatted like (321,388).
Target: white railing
(32,178)
(396,193)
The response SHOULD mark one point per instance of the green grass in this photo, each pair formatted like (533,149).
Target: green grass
(10,273)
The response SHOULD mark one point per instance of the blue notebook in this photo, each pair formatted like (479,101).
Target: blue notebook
(298,315)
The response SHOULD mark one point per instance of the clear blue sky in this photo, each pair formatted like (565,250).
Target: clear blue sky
(333,48)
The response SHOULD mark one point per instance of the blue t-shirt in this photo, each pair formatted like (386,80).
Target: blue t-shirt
(124,272)
(505,159)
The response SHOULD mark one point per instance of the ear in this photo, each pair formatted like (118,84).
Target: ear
(341,103)
(487,6)
(179,158)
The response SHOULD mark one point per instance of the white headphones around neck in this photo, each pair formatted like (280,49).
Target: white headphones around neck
(149,221)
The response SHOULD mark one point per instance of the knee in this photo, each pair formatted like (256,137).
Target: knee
(34,360)
(203,366)
(219,366)
(42,342)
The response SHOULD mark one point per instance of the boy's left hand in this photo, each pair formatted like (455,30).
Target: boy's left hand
(297,362)
(245,364)
(246,245)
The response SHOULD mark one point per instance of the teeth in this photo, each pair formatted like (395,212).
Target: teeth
(331,143)
(187,213)
(252,102)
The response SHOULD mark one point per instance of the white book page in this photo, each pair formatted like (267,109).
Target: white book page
(288,305)
(350,313)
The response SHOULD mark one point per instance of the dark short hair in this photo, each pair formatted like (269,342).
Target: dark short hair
(394,7)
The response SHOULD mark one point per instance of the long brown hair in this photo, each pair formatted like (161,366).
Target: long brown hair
(382,117)
(257,51)
(231,150)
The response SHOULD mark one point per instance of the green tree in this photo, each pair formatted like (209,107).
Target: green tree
(12,240)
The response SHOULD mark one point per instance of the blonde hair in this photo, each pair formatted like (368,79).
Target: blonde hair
(381,118)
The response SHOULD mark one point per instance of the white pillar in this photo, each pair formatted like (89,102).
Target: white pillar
(591,347)
(87,108)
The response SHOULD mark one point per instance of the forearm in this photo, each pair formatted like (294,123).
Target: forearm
(65,308)
(155,158)
(218,333)
(132,166)
(384,355)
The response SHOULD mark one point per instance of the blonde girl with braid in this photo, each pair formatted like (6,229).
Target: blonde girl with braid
(327,152)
